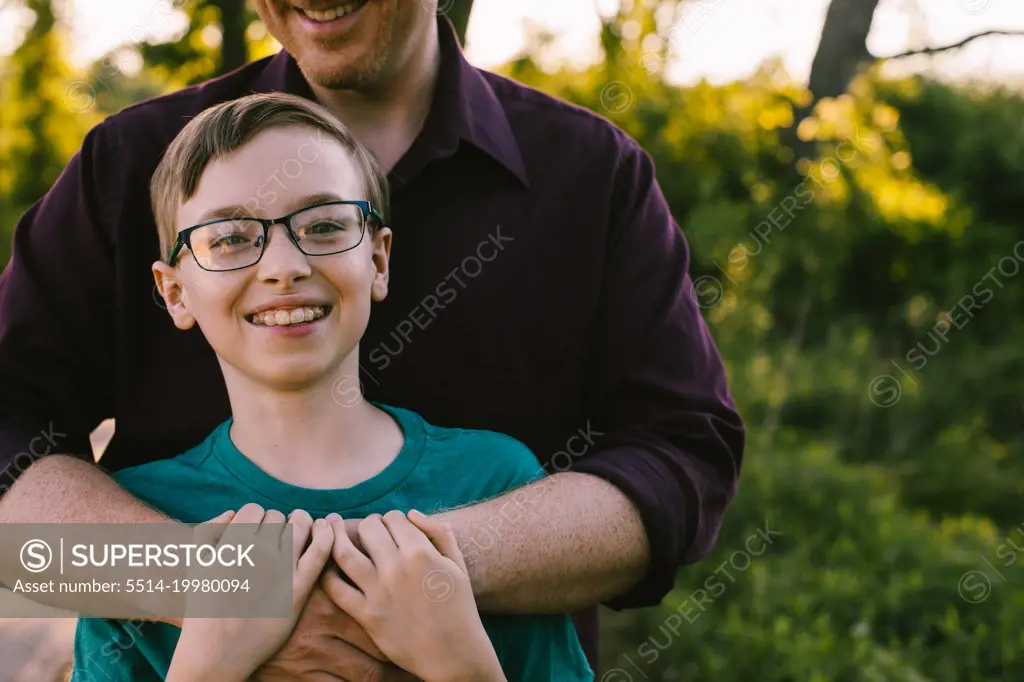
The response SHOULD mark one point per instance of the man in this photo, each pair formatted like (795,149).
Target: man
(541,291)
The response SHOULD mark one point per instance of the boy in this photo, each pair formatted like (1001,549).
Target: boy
(283,302)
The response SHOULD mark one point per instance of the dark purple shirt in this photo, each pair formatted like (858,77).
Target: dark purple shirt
(539,288)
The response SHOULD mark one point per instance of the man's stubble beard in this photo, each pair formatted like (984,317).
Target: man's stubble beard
(364,76)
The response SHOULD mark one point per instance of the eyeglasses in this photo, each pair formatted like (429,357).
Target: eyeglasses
(235,243)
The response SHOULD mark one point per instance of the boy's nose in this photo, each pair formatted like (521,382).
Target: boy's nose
(282,259)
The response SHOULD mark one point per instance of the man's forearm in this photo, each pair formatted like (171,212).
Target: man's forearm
(556,545)
(62,489)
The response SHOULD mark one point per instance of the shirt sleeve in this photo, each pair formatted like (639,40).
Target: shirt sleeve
(111,651)
(57,301)
(537,647)
(672,439)
(517,466)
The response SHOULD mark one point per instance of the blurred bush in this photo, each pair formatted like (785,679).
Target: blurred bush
(821,575)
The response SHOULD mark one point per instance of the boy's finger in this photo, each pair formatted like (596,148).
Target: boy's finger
(209,532)
(245,523)
(345,597)
(377,541)
(406,535)
(250,513)
(302,525)
(223,517)
(313,559)
(351,526)
(272,516)
(354,563)
(272,527)
(441,534)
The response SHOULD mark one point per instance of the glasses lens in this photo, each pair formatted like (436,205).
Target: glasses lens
(328,229)
(228,244)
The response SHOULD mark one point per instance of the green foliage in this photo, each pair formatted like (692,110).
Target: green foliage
(40,124)
(199,53)
(851,588)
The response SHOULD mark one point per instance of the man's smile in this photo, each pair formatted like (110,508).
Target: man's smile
(329,14)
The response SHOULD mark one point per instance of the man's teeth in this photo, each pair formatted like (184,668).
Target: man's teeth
(274,318)
(333,13)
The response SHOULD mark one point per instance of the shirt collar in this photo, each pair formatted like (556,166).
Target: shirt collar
(482,120)
(465,106)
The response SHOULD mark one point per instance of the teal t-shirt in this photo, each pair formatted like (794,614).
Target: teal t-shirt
(437,468)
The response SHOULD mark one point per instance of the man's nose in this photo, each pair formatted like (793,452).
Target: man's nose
(282,259)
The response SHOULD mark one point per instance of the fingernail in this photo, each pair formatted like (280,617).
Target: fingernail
(319,522)
(417,513)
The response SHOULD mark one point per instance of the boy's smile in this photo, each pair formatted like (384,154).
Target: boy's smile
(285,314)
(290,319)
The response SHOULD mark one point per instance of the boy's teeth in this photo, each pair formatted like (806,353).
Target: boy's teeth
(273,318)
(334,12)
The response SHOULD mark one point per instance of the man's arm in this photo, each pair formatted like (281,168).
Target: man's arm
(649,495)
(553,546)
(63,489)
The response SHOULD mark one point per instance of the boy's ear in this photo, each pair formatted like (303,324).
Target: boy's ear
(173,295)
(381,257)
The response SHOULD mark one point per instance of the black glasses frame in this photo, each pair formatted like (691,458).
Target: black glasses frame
(184,239)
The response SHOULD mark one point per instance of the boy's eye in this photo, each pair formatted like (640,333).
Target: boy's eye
(229,240)
(322,227)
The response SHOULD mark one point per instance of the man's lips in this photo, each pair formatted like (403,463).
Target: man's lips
(329,13)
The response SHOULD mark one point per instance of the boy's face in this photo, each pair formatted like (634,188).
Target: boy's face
(276,173)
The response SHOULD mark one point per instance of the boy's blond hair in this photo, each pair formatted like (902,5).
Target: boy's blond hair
(226,127)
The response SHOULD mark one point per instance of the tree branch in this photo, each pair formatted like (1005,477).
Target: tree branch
(954,46)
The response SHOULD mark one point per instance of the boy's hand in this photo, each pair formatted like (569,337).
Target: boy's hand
(414,597)
(230,649)
(328,645)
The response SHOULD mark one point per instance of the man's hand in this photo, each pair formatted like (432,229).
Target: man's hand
(327,645)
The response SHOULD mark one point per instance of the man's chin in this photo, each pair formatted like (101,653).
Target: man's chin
(354,61)
(332,74)
(336,78)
